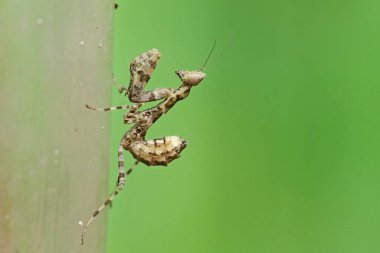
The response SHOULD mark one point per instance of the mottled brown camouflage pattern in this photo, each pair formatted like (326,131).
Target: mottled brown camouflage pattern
(150,152)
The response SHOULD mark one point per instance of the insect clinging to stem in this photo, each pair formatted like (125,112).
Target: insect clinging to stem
(154,152)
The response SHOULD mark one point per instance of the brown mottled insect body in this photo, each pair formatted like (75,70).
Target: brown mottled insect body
(155,152)
(158,151)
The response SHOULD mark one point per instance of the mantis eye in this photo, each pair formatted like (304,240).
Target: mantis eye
(190,77)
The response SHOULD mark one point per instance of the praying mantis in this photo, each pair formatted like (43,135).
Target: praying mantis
(154,152)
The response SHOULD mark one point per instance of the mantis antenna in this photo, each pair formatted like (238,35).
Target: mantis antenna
(208,57)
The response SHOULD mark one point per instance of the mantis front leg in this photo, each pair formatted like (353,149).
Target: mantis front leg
(149,96)
(141,70)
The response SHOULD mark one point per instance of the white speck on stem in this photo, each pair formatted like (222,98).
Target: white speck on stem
(39,21)
(80,223)
(82,43)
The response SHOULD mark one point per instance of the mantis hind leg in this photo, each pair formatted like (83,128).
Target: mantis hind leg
(120,184)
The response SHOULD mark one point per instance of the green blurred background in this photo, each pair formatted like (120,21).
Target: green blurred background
(283,133)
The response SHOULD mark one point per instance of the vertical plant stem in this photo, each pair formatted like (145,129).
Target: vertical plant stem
(55,56)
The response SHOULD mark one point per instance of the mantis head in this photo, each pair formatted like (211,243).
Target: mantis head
(194,77)
(190,78)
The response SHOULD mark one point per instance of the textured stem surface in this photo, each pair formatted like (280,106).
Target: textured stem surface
(55,57)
